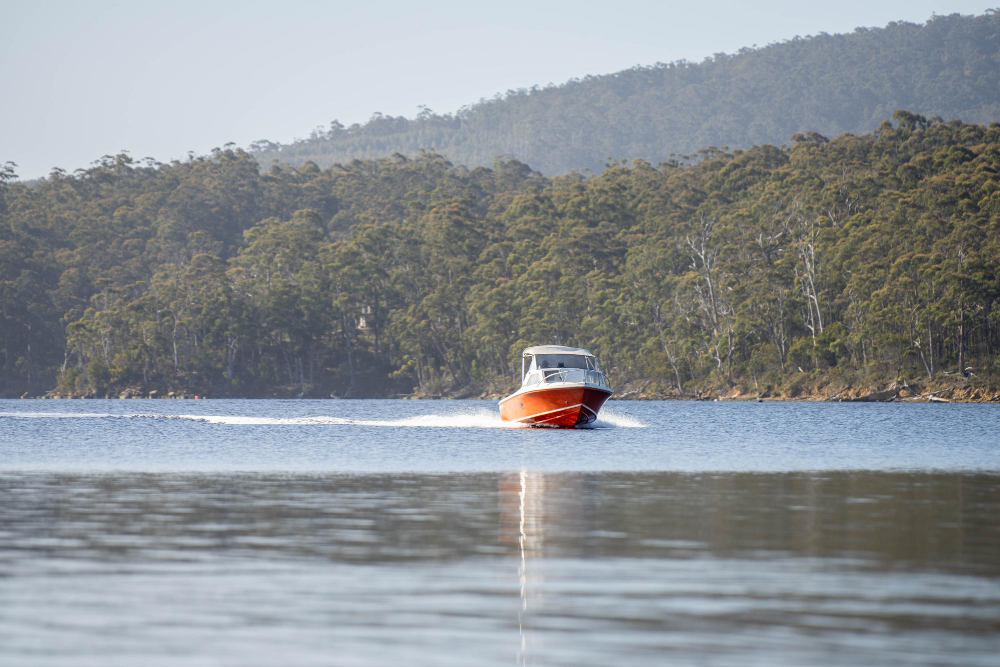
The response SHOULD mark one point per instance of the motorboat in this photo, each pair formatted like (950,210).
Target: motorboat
(560,386)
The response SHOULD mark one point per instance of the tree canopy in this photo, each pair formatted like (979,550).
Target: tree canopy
(876,254)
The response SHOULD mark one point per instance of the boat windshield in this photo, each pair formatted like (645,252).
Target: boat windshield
(565,361)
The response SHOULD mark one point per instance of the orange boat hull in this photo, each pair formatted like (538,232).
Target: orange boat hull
(554,406)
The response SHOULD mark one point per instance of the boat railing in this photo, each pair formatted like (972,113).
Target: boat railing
(549,375)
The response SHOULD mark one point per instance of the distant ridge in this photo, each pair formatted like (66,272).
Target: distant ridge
(948,67)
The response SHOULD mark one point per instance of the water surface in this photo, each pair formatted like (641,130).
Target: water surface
(424,532)
(468,436)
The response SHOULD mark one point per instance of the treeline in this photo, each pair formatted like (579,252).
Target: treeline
(828,83)
(865,256)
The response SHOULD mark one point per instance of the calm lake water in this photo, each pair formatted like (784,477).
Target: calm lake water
(424,532)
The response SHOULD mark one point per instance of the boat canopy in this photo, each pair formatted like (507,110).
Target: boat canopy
(555,349)
(541,357)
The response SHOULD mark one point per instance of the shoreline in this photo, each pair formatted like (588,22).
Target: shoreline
(944,388)
(941,396)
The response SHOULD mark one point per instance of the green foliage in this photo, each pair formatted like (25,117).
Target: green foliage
(831,83)
(875,254)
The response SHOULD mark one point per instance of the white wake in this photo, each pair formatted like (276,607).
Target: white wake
(470,419)
(477,419)
(612,418)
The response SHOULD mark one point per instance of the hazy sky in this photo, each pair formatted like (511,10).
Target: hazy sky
(83,79)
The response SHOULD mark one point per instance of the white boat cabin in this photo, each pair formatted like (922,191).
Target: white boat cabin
(557,363)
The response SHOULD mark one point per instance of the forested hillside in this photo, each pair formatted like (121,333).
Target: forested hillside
(828,83)
(862,257)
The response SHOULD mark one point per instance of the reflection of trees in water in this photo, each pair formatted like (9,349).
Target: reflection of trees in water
(886,519)
(940,520)
(865,520)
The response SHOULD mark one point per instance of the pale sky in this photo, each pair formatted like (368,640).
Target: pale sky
(87,78)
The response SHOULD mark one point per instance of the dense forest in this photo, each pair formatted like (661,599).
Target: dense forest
(874,256)
(828,83)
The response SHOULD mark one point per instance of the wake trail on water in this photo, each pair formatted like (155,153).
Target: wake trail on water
(611,418)
(473,419)
(478,419)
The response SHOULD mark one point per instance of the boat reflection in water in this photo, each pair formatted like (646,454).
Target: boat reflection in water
(524,514)
(519,520)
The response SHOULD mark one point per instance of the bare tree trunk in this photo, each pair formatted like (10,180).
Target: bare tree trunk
(730,348)
(443,352)
(961,341)
(173,339)
(288,364)
(930,346)
(701,251)
(28,355)
(350,355)
(927,368)
(230,354)
(810,274)
(672,360)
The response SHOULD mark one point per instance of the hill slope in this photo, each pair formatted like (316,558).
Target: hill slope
(949,67)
